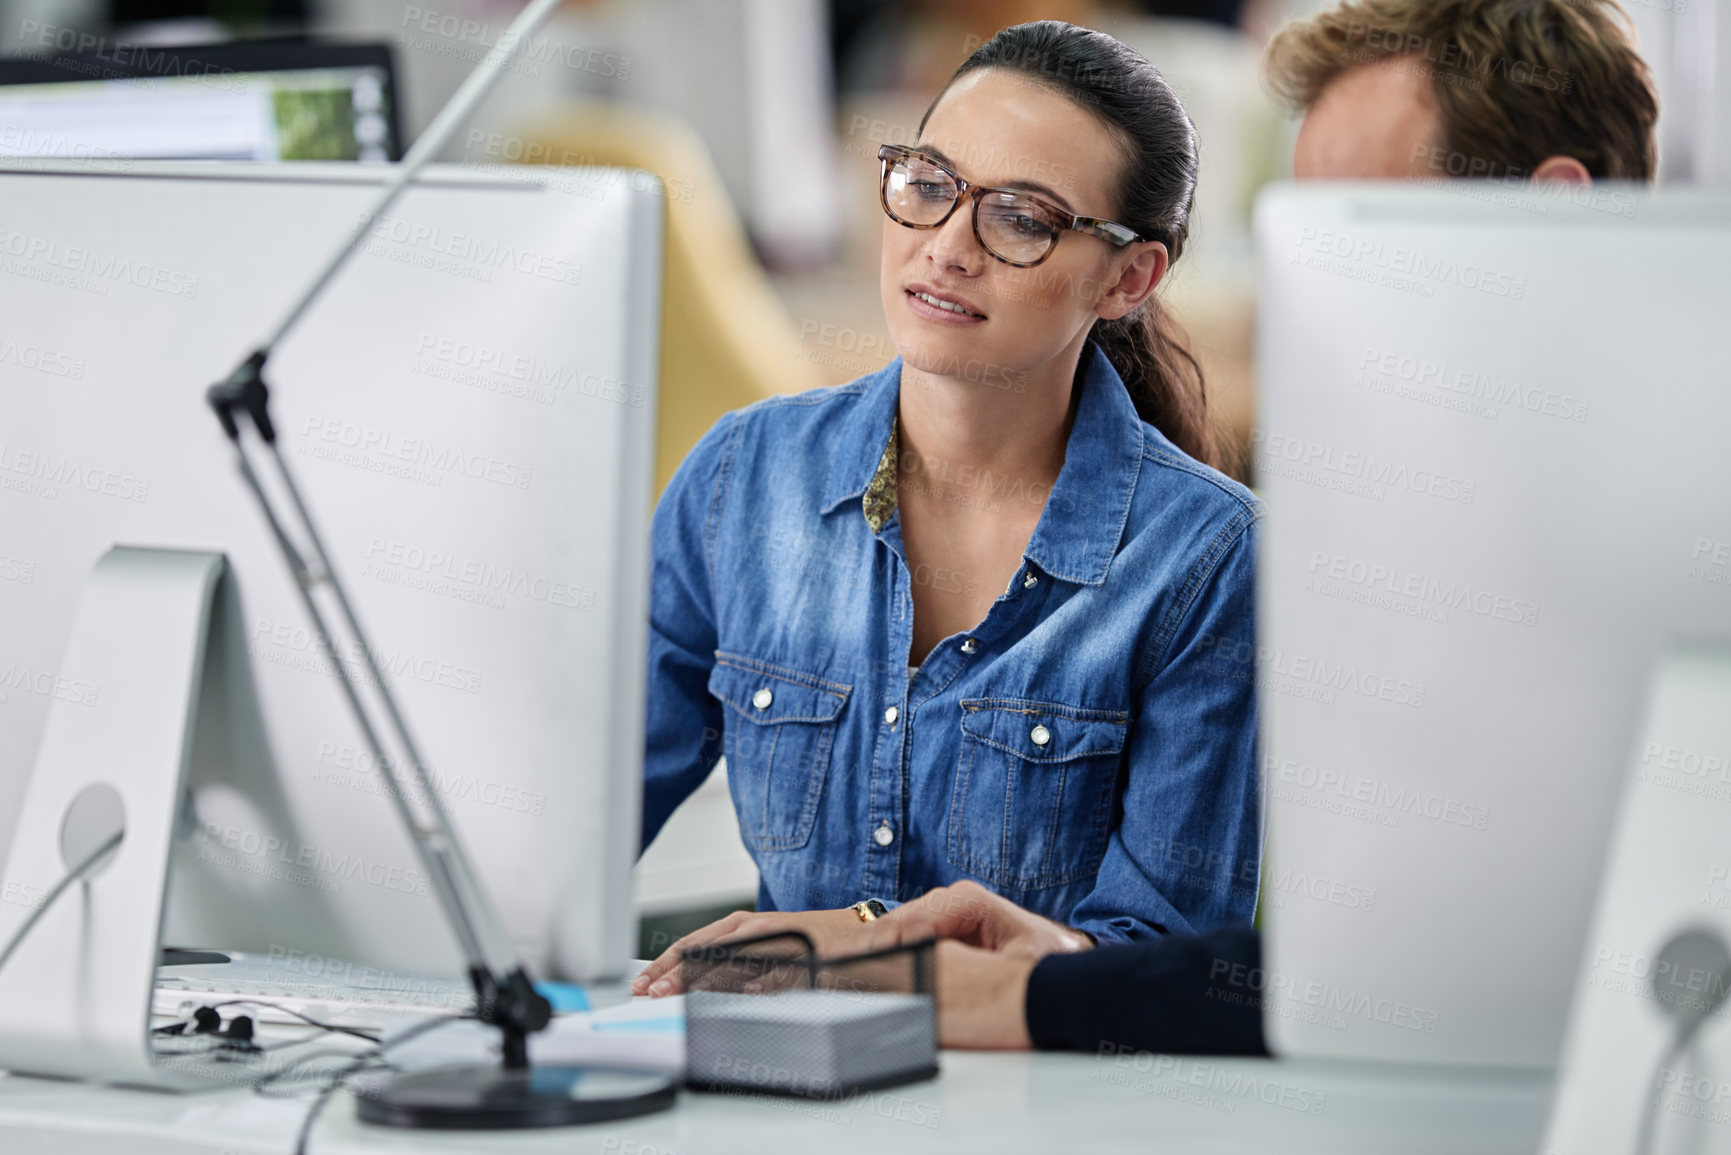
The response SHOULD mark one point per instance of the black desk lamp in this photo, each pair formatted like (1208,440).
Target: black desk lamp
(511,1094)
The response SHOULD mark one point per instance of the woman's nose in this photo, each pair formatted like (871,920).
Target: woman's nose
(953,246)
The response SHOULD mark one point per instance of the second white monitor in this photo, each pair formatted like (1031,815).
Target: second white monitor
(1492,441)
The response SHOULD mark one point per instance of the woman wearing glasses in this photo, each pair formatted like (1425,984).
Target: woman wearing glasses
(986,613)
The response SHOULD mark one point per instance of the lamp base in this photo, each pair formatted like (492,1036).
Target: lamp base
(476,1097)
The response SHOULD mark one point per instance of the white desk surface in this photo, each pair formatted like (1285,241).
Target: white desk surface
(981,1102)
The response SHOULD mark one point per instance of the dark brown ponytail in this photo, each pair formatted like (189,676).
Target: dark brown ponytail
(1155,196)
(1164,379)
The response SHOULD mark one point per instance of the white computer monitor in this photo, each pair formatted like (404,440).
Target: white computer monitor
(101,102)
(1491,437)
(471,410)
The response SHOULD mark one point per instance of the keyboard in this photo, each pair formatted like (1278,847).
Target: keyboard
(330,991)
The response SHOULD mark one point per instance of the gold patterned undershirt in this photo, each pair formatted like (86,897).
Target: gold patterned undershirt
(881,491)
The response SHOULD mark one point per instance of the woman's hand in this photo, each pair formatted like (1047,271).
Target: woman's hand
(832,933)
(969,913)
(983,997)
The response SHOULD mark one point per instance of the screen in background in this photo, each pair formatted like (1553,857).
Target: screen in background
(244,102)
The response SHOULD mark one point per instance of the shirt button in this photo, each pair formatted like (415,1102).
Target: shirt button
(1030,581)
(890,716)
(970,646)
(762,698)
(1040,735)
(883,835)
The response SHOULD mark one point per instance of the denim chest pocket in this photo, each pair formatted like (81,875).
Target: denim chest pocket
(1035,791)
(778,738)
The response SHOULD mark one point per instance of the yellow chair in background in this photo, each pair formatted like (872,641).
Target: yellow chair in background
(726,338)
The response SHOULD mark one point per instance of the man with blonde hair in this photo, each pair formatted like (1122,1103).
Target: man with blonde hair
(1504,89)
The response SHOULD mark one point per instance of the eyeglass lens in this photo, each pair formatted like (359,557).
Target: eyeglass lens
(1011,225)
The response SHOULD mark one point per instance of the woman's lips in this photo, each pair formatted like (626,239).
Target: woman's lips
(946,314)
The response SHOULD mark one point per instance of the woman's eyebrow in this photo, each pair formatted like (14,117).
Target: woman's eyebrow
(1032,186)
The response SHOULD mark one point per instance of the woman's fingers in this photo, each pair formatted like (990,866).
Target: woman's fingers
(661,977)
(778,979)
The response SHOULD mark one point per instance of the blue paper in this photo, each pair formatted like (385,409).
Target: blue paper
(565,997)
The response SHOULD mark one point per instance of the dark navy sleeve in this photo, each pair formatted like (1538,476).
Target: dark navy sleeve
(683,721)
(1184,994)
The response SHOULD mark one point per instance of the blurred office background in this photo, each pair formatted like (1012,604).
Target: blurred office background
(762,117)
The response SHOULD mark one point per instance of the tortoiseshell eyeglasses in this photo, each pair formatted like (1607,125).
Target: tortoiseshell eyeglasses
(1017,228)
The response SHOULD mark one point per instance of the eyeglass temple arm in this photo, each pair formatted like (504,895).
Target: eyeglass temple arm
(1110,231)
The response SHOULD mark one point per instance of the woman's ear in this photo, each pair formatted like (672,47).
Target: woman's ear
(1137,278)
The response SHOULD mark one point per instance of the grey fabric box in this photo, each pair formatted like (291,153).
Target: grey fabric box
(817,1043)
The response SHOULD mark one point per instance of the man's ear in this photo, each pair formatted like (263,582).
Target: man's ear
(1563,170)
(1136,280)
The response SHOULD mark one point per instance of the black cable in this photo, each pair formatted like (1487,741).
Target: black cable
(324,1097)
(229,1046)
(332,1081)
(1650,1104)
(332,1027)
(414,1031)
(1693,951)
(343,1075)
(221,1046)
(71,877)
(263,1086)
(237,1048)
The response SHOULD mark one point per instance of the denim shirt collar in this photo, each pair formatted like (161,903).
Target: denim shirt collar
(1085,513)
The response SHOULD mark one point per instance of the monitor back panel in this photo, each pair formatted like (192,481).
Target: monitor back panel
(470,410)
(1492,442)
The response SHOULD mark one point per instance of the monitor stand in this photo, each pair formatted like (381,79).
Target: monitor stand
(150,688)
(75,997)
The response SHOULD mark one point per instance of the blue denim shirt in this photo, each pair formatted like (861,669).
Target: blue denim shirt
(1088,750)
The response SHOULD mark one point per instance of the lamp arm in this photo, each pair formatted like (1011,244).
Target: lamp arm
(504,994)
